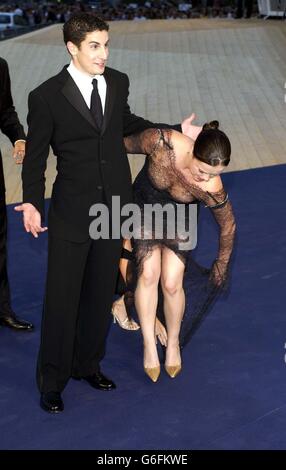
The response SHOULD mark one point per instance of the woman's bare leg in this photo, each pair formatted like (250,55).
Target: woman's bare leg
(124,262)
(160,330)
(118,306)
(174,303)
(146,299)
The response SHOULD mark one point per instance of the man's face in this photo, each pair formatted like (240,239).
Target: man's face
(91,56)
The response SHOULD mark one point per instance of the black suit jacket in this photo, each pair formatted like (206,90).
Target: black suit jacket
(9,121)
(89,161)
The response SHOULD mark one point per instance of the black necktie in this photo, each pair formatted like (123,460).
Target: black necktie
(95,105)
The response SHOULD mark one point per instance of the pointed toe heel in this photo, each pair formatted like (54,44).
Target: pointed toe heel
(173,371)
(153,373)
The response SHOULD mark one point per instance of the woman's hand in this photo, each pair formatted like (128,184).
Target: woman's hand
(219,273)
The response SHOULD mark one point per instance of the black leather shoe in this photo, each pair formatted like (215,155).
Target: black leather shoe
(16,323)
(52,402)
(99,381)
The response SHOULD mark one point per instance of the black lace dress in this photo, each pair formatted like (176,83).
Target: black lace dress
(160,181)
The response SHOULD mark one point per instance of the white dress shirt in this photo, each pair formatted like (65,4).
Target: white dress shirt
(84,84)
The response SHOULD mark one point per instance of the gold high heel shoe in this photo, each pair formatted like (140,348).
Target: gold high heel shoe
(127,323)
(153,372)
(173,371)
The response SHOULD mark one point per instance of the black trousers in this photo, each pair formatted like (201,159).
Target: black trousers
(5,301)
(81,280)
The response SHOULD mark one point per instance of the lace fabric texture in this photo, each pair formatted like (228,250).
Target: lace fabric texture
(161,181)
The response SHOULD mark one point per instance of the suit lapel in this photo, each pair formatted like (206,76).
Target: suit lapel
(74,96)
(110,98)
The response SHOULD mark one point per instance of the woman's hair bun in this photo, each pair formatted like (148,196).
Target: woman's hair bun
(211,125)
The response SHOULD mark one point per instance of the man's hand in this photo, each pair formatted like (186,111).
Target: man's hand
(19,151)
(31,219)
(190,129)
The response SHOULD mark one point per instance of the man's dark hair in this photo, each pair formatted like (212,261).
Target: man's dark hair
(79,25)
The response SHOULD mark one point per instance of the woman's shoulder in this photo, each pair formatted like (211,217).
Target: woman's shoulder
(180,139)
(182,146)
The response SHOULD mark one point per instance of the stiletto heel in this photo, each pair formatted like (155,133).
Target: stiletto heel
(153,372)
(127,323)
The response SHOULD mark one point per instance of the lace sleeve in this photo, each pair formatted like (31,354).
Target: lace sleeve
(222,211)
(145,142)
(221,208)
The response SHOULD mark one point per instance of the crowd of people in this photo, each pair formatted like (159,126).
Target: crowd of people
(43,12)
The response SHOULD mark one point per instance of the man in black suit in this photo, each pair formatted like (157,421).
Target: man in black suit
(12,128)
(83,114)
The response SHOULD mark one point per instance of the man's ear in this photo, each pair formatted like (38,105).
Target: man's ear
(72,48)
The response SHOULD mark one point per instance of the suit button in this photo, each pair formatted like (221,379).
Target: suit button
(103,161)
(99,187)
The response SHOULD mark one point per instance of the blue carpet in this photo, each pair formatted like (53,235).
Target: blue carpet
(232,391)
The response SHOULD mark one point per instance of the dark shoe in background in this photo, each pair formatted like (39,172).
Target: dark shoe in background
(98,381)
(52,402)
(11,321)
